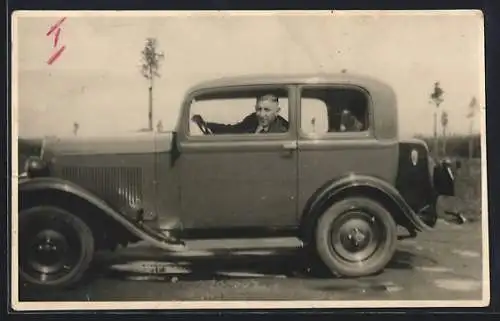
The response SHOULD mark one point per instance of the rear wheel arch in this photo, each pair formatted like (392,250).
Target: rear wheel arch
(311,217)
(106,232)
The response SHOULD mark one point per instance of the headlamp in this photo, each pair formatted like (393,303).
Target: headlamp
(35,167)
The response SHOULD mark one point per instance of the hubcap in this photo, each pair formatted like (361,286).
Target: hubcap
(355,236)
(49,248)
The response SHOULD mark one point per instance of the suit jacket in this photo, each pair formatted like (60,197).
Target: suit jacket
(249,125)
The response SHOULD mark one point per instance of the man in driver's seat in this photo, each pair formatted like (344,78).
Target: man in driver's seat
(265,119)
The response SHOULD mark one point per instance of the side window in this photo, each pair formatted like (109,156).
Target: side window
(243,112)
(332,110)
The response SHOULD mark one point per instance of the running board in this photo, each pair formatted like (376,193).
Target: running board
(162,239)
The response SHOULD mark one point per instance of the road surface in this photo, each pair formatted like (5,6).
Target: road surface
(444,264)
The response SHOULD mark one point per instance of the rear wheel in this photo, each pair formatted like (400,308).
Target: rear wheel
(55,247)
(356,237)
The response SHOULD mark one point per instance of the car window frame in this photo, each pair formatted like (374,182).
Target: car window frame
(366,134)
(185,134)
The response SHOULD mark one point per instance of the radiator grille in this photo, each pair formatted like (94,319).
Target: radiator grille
(118,185)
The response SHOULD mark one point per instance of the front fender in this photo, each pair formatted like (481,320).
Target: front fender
(60,185)
(360,185)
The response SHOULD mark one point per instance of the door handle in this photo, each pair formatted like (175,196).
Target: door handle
(290,146)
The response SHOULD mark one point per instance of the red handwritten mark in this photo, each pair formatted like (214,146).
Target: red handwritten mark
(56,55)
(57,29)
(56,38)
(55,26)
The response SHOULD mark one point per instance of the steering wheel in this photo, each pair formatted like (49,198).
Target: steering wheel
(204,129)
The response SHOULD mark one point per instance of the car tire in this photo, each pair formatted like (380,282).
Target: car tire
(56,247)
(356,237)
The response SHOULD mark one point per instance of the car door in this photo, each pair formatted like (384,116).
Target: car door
(337,138)
(237,180)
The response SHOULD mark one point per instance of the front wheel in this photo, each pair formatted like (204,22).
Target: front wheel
(356,237)
(55,247)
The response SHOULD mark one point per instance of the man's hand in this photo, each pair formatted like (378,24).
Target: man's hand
(197,119)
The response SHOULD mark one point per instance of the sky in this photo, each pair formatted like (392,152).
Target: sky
(97,81)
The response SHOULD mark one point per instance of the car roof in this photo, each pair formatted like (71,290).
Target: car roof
(371,83)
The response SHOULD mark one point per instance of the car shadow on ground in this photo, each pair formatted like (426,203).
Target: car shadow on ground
(226,264)
(219,266)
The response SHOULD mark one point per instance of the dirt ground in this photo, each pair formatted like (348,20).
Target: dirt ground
(445,264)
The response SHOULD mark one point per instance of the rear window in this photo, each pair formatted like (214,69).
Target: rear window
(334,110)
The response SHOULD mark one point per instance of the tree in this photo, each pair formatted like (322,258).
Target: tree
(444,124)
(471,115)
(437,98)
(159,126)
(76,127)
(150,66)
(313,124)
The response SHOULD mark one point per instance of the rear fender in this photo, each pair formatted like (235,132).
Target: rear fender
(359,185)
(44,184)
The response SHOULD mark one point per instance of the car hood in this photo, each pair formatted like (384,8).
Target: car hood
(134,143)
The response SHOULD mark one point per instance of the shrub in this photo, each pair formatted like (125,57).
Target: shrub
(456,145)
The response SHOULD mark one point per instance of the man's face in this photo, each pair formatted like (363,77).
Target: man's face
(267,111)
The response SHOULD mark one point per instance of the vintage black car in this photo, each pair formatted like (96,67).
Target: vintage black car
(341,189)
